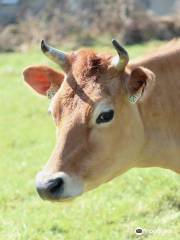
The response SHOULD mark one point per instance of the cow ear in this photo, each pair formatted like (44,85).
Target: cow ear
(140,84)
(43,79)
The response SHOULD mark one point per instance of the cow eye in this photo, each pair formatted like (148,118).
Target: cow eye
(105,117)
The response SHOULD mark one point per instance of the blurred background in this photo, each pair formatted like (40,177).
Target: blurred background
(81,22)
(146,198)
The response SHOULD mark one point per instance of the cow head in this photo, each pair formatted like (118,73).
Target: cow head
(99,131)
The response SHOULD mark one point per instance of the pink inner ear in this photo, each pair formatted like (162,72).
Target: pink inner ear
(37,78)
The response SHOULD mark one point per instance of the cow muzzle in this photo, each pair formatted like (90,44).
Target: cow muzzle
(58,186)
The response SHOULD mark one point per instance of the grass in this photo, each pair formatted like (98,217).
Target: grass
(147,198)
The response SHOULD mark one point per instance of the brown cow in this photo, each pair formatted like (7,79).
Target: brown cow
(110,116)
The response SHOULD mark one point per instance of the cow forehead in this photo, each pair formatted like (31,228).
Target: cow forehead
(87,65)
(85,83)
(71,101)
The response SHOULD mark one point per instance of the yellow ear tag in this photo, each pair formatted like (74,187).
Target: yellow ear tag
(51,92)
(134,98)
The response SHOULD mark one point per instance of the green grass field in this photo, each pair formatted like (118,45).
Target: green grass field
(147,198)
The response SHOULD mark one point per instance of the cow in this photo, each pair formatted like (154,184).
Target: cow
(111,115)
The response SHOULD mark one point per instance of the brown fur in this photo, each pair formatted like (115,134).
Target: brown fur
(161,113)
(146,134)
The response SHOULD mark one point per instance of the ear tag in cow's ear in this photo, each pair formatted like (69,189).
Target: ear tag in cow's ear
(50,95)
(51,92)
(134,98)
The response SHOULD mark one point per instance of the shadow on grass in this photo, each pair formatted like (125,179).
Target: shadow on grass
(55,229)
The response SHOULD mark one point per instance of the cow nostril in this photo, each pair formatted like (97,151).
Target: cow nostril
(56,185)
(51,188)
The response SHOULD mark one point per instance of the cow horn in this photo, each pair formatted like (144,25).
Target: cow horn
(120,61)
(55,55)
